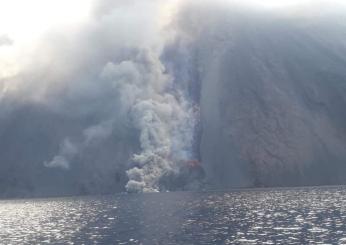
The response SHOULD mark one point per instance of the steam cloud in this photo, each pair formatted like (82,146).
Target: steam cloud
(253,91)
(5,40)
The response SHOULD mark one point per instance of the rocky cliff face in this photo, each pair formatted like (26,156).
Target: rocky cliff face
(273,95)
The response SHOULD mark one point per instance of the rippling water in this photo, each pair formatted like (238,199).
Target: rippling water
(276,216)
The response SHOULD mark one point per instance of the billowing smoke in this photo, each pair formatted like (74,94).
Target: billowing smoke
(5,40)
(159,111)
(147,96)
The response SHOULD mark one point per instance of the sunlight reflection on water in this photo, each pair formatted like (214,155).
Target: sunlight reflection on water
(277,216)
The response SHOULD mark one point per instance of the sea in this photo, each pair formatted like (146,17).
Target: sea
(309,215)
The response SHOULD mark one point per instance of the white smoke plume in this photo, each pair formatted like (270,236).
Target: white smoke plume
(5,40)
(161,113)
(69,150)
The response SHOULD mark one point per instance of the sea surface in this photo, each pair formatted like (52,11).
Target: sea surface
(315,215)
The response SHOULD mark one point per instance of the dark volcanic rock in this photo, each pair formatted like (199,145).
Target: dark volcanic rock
(273,96)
